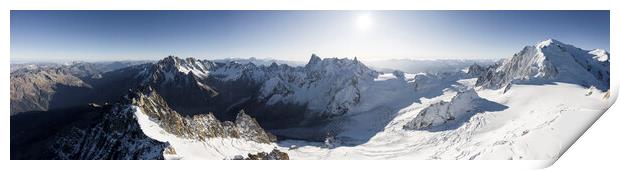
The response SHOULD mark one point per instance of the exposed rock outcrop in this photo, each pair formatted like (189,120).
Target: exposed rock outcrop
(117,136)
(463,103)
(199,126)
(275,154)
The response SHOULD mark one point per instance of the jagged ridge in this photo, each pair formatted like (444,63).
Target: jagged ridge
(200,126)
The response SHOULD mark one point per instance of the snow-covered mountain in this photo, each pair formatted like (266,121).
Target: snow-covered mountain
(329,108)
(456,119)
(328,87)
(320,89)
(550,61)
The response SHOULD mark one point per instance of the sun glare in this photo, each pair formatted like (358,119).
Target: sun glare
(364,22)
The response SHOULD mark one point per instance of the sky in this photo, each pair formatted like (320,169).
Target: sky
(295,35)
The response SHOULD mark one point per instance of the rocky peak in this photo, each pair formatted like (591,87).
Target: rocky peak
(173,65)
(549,42)
(248,127)
(328,87)
(170,61)
(178,79)
(314,59)
(273,65)
(475,69)
(241,117)
(339,67)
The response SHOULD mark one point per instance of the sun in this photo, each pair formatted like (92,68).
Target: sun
(363,22)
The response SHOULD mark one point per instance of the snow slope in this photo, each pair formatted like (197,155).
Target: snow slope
(533,128)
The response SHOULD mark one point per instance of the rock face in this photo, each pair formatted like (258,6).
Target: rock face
(550,61)
(94,132)
(275,154)
(463,103)
(200,126)
(477,70)
(33,90)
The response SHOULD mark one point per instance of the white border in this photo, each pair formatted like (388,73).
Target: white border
(597,149)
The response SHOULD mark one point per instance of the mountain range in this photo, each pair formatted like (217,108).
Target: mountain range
(189,108)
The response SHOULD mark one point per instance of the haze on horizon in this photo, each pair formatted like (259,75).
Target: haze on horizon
(295,35)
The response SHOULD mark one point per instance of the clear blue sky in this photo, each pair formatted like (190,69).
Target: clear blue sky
(295,35)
